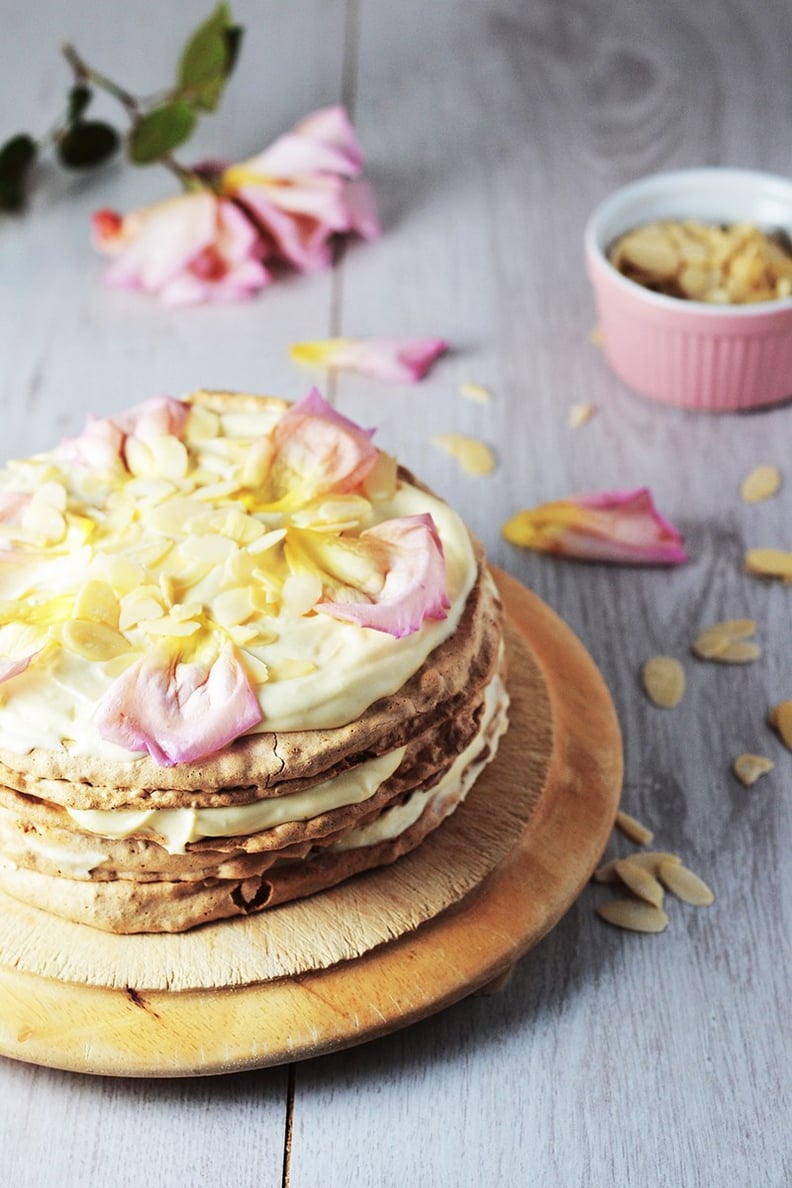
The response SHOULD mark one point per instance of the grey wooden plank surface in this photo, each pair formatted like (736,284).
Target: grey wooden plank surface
(491,130)
(611,1059)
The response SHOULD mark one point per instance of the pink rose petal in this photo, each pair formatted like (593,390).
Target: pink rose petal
(12,668)
(323,142)
(178,711)
(300,191)
(318,450)
(396,360)
(618,526)
(154,417)
(98,447)
(195,247)
(414,588)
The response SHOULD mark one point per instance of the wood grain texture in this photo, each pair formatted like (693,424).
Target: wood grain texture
(382,950)
(492,128)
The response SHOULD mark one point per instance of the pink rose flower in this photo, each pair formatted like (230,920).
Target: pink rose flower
(285,205)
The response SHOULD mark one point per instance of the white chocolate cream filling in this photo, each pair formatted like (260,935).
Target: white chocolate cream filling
(98,567)
(174,828)
(450,791)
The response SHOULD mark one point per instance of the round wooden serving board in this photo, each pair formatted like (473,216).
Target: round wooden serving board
(378,953)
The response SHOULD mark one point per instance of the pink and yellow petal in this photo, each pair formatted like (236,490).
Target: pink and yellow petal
(395,360)
(414,585)
(178,711)
(617,526)
(316,450)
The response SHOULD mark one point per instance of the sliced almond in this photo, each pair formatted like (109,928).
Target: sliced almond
(640,881)
(728,642)
(606,873)
(211,549)
(579,415)
(710,644)
(749,768)
(301,592)
(232,607)
(474,456)
(97,601)
(651,250)
(476,392)
(769,563)
(169,456)
(138,457)
(648,859)
(780,718)
(664,681)
(760,483)
(634,915)
(170,626)
(44,522)
(739,651)
(633,828)
(735,628)
(686,885)
(93,641)
(652,859)
(289,669)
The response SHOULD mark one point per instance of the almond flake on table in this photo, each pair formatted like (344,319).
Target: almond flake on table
(635,915)
(760,483)
(780,718)
(633,828)
(771,563)
(579,415)
(686,885)
(474,456)
(728,642)
(749,768)
(663,680)
(476,392)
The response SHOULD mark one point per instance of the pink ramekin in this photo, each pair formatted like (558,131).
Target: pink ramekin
(714,358)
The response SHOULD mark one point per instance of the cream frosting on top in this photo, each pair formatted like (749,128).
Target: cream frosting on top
(164,535)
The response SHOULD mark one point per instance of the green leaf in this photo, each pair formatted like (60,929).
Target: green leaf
(208,59)
(79,98)
(16,160)
(233,39)
(87,143)
(160,131)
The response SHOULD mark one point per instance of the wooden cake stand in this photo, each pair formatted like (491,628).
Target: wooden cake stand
(378,953)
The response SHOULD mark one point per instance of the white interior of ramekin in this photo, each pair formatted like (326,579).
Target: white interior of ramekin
(711,195)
